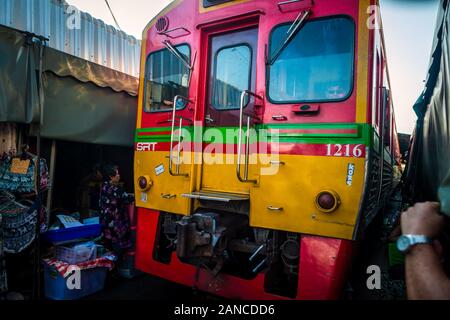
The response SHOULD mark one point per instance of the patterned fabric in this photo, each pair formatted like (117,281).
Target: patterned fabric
(22,183)
(3,278)
(114,216)
(63,267)
(19,230)
(18,225)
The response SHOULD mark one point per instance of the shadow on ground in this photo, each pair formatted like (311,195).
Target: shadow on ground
(143,287)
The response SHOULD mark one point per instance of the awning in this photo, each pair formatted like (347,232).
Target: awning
(83,101)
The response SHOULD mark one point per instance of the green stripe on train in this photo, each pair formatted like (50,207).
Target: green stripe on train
(362,134)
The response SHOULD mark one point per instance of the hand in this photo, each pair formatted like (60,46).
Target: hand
(423,219)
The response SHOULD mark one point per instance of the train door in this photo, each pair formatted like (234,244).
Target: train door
(232,70)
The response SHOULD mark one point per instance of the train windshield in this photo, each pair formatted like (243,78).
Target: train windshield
(166,77)
(317,65)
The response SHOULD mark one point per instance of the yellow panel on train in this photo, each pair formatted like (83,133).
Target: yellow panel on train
(164,194)
(294,192)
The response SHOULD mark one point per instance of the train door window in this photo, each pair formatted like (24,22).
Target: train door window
(166,77)
(316,66)
(232,75)
(231,70)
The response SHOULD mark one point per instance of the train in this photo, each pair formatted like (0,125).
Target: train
(427,175)
(265,144)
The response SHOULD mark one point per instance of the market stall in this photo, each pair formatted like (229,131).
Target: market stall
(72,115)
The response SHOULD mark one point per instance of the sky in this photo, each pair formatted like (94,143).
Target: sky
(408,27)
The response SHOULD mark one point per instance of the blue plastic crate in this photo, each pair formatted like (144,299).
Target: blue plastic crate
(69,234)
(92,281)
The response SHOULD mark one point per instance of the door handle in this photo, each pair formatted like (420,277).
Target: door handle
(279,118)
(168,196)
(208,119)
(272,208)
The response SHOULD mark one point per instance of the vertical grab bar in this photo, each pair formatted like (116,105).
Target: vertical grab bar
(180,136)
(172,135)
(247,147)
(247,150)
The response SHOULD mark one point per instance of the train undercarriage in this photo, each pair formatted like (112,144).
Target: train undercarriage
(222,242)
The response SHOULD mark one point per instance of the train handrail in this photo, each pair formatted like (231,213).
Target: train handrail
(172,135)
(288,2)
(168,32)
(247,145)
(282,3)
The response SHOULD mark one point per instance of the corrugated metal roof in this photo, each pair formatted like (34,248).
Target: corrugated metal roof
(94,40)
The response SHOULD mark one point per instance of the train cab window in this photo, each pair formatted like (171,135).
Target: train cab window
(317,65)
(232,75)
(166,77)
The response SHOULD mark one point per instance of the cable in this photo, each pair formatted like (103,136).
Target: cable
(115,20)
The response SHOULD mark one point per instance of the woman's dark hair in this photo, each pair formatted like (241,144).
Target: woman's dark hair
(108,172)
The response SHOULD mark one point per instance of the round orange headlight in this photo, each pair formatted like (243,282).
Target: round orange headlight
(328,201)
(144,183)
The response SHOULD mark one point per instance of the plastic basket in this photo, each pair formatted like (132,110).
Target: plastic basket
(76,254)
(63,235)
(92,281)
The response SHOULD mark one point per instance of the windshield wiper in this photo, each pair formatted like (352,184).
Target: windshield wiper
(293,30)
(177,54)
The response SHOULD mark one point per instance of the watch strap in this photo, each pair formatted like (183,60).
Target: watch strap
(419,239)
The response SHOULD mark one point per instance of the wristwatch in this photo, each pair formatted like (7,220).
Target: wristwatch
(406,242)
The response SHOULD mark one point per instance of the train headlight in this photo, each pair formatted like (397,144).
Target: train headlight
(145,183)
(328,201)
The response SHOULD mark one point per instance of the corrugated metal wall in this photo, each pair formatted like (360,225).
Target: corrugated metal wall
(94,40)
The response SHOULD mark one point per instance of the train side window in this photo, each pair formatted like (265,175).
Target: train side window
(376,91)
(232,75)
(166,76)
(387,126)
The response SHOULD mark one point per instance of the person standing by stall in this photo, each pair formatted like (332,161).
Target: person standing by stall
(114,216)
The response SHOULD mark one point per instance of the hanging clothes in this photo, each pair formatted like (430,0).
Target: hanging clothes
(18,223)
(19,175)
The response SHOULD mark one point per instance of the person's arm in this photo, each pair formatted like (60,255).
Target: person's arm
(425,276)
(125,196)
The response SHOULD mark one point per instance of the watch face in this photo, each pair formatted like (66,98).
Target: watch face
(403,244)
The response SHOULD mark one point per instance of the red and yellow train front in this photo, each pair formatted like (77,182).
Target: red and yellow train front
(251,145)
